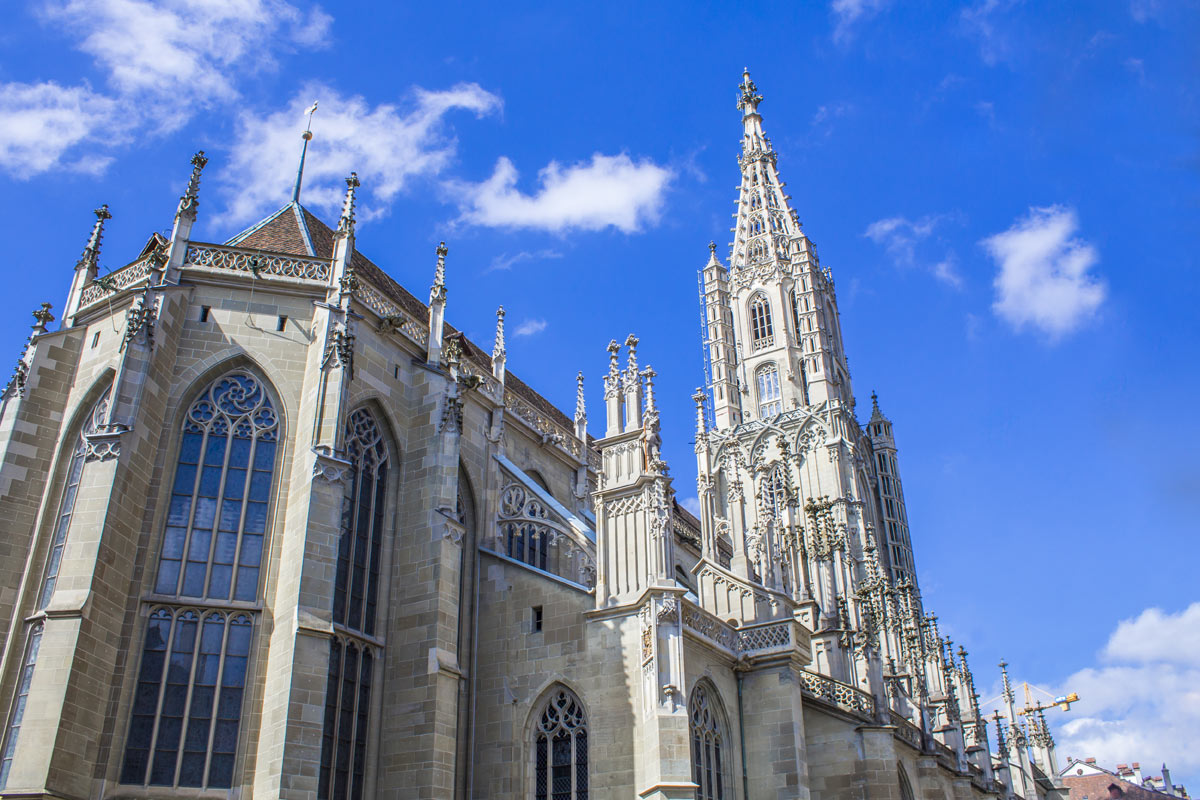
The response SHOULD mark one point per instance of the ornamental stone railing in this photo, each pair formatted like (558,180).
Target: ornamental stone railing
(551,431)
(905,730)
(274,265)
(710,628)
(767,636)
(754,641)
(115,282)
(842,695)
(392,315)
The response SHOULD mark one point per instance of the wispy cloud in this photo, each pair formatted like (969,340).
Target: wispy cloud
(530,327)
(1144,10)
(386,144)
(1142,701)
(609,191)
(846,13)
(824,117)
(1044,276)
(980,22)
(903,238)
(162,62)
(506,261)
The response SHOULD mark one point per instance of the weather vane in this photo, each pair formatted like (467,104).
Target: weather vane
(306,136)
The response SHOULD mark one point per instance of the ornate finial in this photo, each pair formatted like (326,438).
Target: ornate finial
(1008,692)
(438,290)
(631,342)
(750,98)
(306,136)
(580,409)
(42,317)
(698,399)
(649,374)
(712,247)
(91,253)
(191,195)
(346,224)
(498,350)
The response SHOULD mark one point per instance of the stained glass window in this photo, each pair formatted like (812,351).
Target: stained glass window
(770,399)
(357,578)
(17,715)
(709,754)
(560,750)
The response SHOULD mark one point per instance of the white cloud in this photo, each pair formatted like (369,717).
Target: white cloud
(692,504)
(42,123)
(1142,10)
(1044,272)
(847,12)
(530,327)
(979,21)
(385,144)
(505,261)
(1142,703)
(163,61)
(823,118)
(902,238)
(609,191)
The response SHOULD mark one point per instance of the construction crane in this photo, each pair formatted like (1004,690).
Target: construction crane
(1062,701)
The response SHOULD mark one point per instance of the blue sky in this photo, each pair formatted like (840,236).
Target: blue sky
(1006,193)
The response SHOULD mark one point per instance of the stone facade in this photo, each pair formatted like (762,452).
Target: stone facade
(273,528)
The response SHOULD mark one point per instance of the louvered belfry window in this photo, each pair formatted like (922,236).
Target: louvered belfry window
(187,704)
(560,750)
(355,649)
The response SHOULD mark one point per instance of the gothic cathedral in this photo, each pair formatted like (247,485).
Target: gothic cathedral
(273,528)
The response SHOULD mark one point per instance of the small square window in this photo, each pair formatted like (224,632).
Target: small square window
(204,313)
(536,619)
(281,323)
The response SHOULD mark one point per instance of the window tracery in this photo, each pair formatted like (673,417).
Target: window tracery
(770,398)
(187,703)
(710,756)
(762,329)
(560,750)
(16,715)
(531,532)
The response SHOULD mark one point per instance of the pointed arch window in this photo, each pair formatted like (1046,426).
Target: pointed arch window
(66,505)
(762,329)
(560,749)
(770,398)
(354,652)
(17,714)
(710,753)
(187,704)
(217,517)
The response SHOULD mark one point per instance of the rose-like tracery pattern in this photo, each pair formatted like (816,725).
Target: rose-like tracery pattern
(560,751)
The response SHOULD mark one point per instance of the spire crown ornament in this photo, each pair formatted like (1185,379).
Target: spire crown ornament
(346,223)
(191,195)
(91,253)
(438,291)
(749,98)
(499,352)
(42,317)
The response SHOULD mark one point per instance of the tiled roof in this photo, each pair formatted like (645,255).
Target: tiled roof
(294,230)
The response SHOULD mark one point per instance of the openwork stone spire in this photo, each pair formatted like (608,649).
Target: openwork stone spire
(438,290)
(499,351)
(580,408)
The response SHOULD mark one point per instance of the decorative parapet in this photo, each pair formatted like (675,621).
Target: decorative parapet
(552,432)
(842,695)
(905,730)
(115,282)
(274,265)
(756,641)
(392,317)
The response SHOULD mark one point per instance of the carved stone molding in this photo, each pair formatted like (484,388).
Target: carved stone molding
(331,468)
(103,444)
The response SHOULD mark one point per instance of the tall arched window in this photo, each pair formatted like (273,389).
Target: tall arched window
(353,652)
(187,704)
(560,749)
(710,753)
(762,330)
(770,399)
(357,581)
(66,505)
(17,714)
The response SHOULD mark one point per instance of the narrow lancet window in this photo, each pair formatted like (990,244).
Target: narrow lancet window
(710,754)
(770,399)
(762,330)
